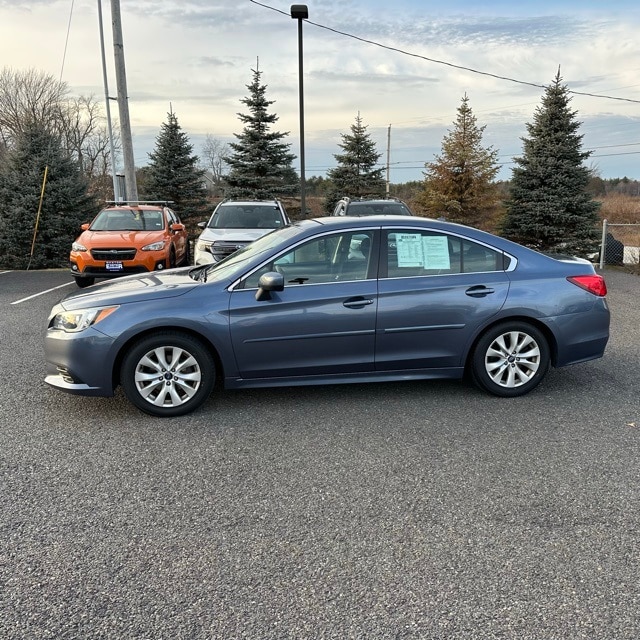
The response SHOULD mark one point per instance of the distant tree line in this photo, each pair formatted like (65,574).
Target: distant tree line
(56,169)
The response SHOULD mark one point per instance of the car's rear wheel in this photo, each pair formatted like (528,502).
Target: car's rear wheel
(84,282)
(168,374)
(510,359)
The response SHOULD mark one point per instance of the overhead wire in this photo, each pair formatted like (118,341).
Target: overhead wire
(443,62)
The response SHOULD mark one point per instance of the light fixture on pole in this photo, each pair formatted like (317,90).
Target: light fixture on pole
(300,12)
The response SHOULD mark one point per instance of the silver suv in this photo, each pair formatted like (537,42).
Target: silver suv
(372,207)
(236,223)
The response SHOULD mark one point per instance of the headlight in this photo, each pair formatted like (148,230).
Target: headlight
(154,246)
(76,246)
(203,245)
(74,321)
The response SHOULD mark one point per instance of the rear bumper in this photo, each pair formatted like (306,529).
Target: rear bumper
(581,338)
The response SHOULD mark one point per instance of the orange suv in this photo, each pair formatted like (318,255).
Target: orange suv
(128,238)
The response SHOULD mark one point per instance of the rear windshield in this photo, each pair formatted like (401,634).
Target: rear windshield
(377,208)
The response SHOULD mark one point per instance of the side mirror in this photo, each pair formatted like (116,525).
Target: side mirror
(84,226)
(203,224)
(177,227)
(272,281)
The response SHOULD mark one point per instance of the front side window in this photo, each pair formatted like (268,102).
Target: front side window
(421,253)
(173,219)
(331,258)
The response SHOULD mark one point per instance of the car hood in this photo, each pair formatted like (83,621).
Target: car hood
(136,288)
(233,235)
(97,239)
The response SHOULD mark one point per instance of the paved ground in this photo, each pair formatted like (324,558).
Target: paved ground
(416,510)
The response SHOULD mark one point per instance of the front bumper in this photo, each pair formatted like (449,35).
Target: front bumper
(84,266)
(80,363)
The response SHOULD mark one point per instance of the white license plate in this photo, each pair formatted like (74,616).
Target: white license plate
(114,266)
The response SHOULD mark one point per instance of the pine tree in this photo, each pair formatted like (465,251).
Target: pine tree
(260,164)
(549,207)
(173,172)
(65,203)
(459,183)
(356,175)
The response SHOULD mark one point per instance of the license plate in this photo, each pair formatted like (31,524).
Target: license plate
(114,266)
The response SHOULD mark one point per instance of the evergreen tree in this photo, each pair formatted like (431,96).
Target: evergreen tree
(260,163)
(65,203)
(356,175)
(173,172)
(550,208)
(459,183)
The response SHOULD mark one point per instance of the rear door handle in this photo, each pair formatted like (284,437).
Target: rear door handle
(479,291)
(357,303)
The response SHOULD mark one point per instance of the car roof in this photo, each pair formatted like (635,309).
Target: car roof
(234,202)
(144,207)
(382,200)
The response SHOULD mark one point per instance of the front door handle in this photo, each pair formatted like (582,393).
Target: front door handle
(357,303)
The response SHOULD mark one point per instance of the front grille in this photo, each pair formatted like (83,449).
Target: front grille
(113,254)
(221,249)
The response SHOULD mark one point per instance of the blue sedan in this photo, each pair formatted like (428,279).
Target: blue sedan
(332,300)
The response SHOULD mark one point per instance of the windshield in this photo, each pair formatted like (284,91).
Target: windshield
(128,220)
(233,266)
(246,216)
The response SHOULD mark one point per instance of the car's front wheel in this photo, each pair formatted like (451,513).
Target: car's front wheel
(168,374)
(510,359)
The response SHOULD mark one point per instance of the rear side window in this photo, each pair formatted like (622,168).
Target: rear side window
(415,253)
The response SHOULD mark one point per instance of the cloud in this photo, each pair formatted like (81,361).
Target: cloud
(197,55)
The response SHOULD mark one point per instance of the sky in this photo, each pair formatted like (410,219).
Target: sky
(402,65)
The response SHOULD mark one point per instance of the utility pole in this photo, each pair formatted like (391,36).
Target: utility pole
(131,186)
(116,190)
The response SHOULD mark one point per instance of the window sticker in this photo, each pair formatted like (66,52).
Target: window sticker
(410,252)
(436,252)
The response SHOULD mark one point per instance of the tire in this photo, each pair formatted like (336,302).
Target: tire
(186,258)
(510,359)
(84,282)
(147,380)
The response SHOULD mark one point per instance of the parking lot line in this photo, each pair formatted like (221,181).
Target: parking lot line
(41,293)
(1,272)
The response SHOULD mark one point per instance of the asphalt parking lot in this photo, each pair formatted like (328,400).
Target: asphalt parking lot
(409,510)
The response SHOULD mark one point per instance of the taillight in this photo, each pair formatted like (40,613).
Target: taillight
(593,284)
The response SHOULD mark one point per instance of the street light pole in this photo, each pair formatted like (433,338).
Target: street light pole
(300,12)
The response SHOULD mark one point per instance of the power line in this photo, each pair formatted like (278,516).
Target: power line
(442,62)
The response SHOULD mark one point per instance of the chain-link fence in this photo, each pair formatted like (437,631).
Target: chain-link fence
(620,244)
